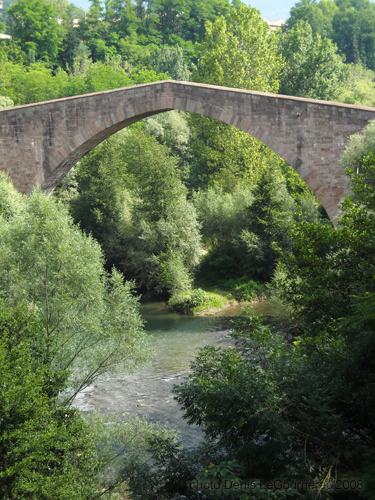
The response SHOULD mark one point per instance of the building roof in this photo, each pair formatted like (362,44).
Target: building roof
(275,24)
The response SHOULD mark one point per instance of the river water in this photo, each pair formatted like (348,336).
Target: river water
(174,339)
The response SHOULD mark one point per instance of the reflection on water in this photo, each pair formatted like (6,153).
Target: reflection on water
(174,339)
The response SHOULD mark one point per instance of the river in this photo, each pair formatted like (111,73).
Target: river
(174,339)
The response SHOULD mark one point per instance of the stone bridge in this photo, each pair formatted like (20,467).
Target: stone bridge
(39,143)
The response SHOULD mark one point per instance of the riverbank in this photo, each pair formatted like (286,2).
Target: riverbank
(208,300)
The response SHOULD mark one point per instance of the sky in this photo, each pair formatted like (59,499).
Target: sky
(270,9)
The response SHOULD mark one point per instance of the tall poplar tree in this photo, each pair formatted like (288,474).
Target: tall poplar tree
(313,68)
(239,51)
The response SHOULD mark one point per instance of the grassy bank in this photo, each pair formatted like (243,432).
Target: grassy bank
(209,298)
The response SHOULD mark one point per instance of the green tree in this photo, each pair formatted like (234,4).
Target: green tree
(36,82)
(329,267)
(360,146)
(91,323)
(170,15)
(353,31)
(99,200)
(34,24)
(348,23)
(223,155)
(165,239)
(71,39)
(318,15)
(180,23)
(131,198)
(172,130)
(284,410)
(170,60)
(360,87)
(222,215)
(123,15)
(82,61)
(201,12)
(241,229)
(312,66)
(11,201)
(293,409)
(239,51)
(94,30)
(5,102)
(49,451)
(270,218)
(153,175)
(172,246)
(44,448)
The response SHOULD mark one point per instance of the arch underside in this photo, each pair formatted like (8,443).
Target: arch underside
(85,147)
(245,124)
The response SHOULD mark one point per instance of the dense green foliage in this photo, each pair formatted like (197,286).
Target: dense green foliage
(241,52)
(50,451)
(329,267)
(299,410)
(241,228)
(130,196)
(5,102)
(133,29)
(63,323)
(136,31)
(288,411)
(34,24)
(360,87)
(312,66)
(33,81)
(90,321)
(349,23)
(43,446)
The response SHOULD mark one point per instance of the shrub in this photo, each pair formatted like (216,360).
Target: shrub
(198,298)
(243,289)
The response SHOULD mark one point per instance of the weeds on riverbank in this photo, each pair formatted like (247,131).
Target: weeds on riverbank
(213,298)
(198,300)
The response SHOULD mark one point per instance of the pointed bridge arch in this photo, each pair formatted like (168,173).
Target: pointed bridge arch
(39,143)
